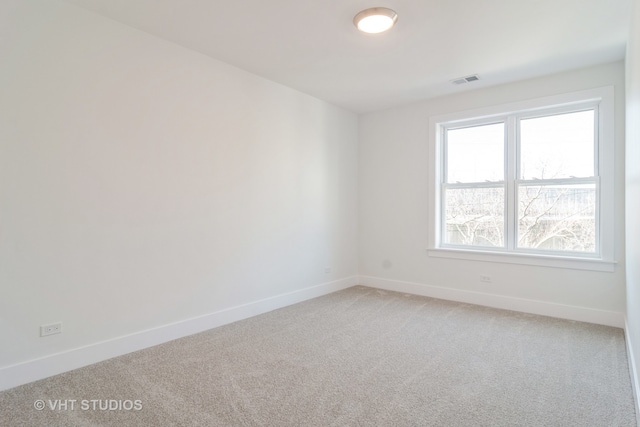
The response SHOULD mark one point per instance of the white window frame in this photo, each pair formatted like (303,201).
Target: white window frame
(600,99)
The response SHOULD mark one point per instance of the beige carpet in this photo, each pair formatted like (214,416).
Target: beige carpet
(360,357)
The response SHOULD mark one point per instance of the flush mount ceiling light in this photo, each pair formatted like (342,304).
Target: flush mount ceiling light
(375,20)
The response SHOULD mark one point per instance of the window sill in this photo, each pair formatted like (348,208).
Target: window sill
(526,259)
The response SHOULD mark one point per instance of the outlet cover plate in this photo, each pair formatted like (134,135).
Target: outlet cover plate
(51,329)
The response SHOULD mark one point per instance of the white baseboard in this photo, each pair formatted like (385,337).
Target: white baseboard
(33,370)
(633,370)
(582,314)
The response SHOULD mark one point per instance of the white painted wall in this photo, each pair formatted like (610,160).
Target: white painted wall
(632,155)
(393,207)
(143,184)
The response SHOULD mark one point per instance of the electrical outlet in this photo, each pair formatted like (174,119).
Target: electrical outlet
(52,329)
(485,279)
(327,270)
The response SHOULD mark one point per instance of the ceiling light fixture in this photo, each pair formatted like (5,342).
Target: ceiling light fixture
(375,20)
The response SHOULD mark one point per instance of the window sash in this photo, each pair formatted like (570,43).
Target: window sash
(476,186)
(568,182)
(586,106)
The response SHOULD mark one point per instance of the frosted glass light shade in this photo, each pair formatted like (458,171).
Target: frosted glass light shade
(375,20)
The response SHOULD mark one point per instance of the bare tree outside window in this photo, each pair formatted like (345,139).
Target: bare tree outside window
(475,216)
(557,218)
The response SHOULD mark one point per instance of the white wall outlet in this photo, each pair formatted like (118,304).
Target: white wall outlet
(485,279)
(52,329)
(327,270)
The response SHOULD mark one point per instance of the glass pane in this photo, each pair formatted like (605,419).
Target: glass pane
(557,217)
(559,146)
(474,216)
(476,154)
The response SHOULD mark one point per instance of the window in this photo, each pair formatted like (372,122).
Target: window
(527,183)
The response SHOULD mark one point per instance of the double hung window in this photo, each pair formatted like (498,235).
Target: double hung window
(530,182)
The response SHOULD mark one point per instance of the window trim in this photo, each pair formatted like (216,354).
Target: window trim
(603,99)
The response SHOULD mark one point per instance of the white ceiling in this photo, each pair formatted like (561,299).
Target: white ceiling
(312,45)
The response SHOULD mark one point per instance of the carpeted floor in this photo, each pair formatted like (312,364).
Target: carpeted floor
(359,357)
